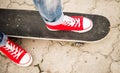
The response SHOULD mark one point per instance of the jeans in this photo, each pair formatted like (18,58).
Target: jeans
(50,10)
(3,39)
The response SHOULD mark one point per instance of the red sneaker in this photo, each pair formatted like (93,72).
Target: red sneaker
(16,53)
(74,23)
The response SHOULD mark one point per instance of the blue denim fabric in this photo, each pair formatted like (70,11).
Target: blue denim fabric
(50,10)
(3,39)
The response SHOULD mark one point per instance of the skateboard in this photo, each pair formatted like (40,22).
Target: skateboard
(29,24)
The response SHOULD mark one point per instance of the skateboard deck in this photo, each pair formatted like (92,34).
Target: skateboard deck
(29,24)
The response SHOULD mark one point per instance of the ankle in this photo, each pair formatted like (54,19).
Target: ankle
(60,20)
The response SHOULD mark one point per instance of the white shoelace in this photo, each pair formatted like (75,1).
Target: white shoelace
(73,22)
(15,51)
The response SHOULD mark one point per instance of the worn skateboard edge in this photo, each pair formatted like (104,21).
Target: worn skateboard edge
(51,39)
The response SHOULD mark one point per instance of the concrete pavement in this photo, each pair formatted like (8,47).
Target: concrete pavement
(70,57)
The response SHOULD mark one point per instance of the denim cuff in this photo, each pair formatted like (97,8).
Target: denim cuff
(59,21)
(3,39)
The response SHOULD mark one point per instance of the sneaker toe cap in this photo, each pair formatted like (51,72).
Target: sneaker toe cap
(26,60)
(87,24)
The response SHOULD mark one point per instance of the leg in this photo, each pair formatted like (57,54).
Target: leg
(14,52)
(50,10)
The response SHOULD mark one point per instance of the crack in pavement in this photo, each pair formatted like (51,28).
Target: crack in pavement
(72,69)
(39,68)
(24,3)
(2,55)
(113,49)
(117,1)
(6,70)
(92,54)
(78,44)
(93,7)
(117,26)
(64,3)
(110,54)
